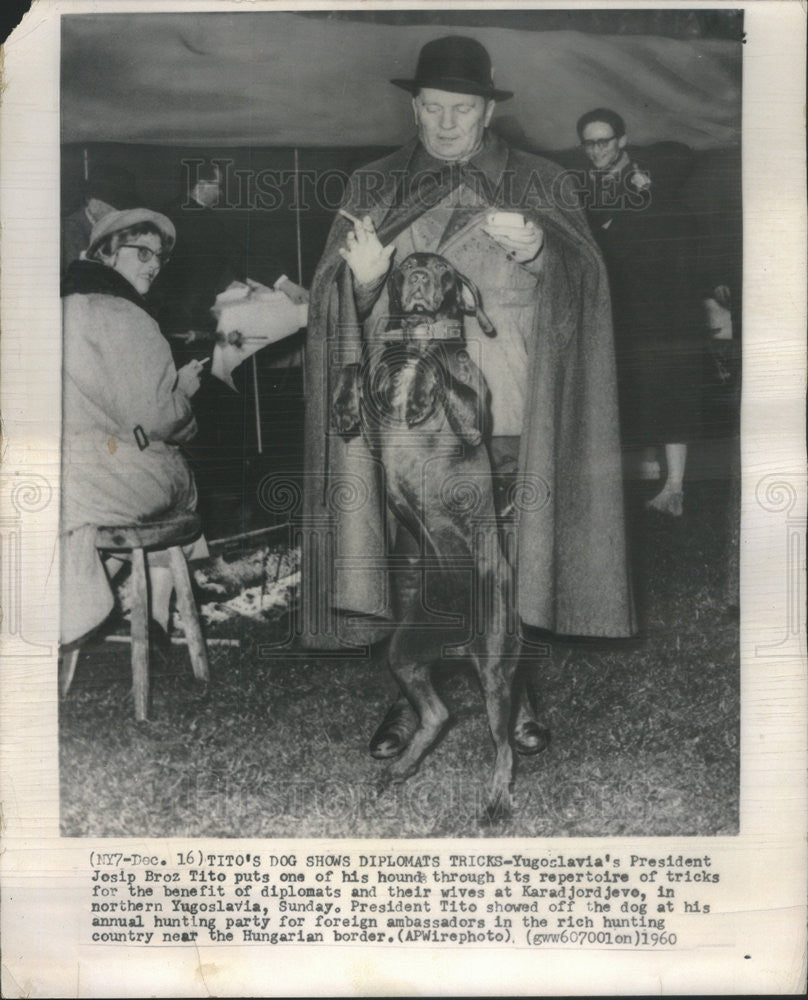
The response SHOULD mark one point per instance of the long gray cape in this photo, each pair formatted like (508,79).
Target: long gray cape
(571,558)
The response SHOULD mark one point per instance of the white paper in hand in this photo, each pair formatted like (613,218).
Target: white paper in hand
(260,315)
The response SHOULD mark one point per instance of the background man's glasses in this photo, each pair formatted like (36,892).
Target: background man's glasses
(145,254)
(598,144)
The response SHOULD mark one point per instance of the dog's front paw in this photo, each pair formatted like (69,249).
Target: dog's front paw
(465,414)
(345,415)
(423,396)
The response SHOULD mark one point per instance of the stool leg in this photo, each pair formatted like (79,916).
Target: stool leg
(140,634)
(190,615)
(67,668)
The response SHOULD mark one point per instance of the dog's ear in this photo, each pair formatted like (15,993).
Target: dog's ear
(473,304)
(465,412)
(395,285)
(451,288)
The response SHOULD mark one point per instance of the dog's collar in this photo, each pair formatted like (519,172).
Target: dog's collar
(429,329)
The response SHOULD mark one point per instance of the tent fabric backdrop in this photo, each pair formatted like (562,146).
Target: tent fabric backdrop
(280,79)
(273,91)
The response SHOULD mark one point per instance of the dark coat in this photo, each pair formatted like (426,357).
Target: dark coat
(647,245)
(649,249)
(571,559)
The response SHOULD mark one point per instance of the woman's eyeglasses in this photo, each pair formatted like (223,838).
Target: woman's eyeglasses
(598,144)
(145,254)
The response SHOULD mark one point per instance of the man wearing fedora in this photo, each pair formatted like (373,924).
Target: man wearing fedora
(511,223)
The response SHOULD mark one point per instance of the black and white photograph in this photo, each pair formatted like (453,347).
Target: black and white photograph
(403,498)
(400,487)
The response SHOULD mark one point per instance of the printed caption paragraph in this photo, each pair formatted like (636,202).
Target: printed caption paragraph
(555,900)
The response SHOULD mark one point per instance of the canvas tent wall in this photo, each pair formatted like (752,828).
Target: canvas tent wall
(146,90)
(283,79)
(293,102)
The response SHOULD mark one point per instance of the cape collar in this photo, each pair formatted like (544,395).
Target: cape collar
(490,160)
(418,181)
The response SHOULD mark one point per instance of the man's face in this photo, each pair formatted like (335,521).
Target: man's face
(207,192)
(602,146)
(451,126)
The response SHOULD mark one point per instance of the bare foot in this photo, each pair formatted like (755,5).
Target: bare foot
(667,502)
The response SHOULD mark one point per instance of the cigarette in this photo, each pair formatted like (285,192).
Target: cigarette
(351,218)
(203,361)
(355,221)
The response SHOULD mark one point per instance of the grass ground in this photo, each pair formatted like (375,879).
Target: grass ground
(644,732)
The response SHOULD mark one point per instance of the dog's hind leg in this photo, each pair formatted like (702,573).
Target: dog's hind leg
(410,662)
(496,679)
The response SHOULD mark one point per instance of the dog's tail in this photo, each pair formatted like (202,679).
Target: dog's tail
(486,325)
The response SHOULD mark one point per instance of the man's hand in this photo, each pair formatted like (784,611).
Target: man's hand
(521,239)
(188,377)
(295,293)
(366,257)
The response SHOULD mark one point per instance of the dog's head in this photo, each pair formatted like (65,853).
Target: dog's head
(426,287)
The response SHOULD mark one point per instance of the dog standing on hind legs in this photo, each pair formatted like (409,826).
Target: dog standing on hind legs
(416,645)
(422,406)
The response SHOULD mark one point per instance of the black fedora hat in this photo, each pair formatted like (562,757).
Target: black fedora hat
(457,64)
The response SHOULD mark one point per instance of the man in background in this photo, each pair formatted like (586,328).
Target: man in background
(107,189)
(636,218)
(207,259)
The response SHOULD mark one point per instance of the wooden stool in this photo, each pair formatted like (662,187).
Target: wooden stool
(137,539)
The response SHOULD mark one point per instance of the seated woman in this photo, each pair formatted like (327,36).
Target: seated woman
(126,409)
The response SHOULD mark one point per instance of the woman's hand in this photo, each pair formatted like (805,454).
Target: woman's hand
(364,254)
(188,377)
